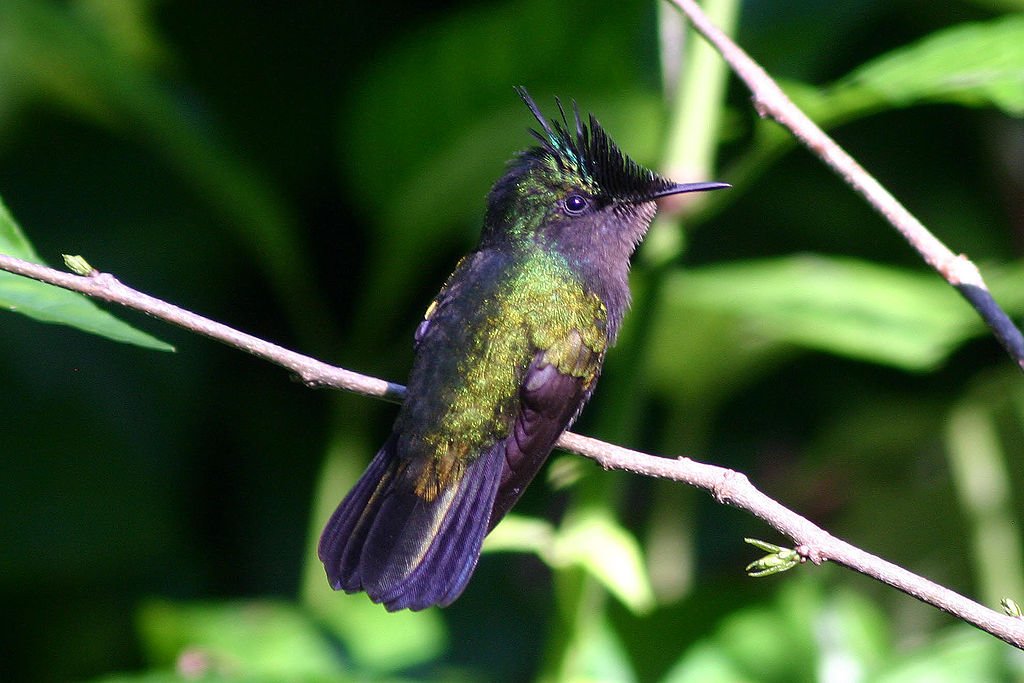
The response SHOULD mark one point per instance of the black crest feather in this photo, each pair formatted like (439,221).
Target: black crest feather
(589,151)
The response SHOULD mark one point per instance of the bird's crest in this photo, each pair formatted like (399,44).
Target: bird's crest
(588,151)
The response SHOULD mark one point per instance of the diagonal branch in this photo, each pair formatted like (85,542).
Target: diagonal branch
(106,287)
(726,486)
(771,101)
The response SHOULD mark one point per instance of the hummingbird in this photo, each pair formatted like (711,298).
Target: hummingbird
(506,356)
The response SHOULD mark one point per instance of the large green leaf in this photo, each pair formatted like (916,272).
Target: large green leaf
(959,654)
(595,654)
(591,541)
(809,633)
(975,64)
(50,304)
(853,308)
(805,629)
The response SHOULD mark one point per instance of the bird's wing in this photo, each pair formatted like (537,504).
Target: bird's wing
(556,386)
(453,289)
(409,532)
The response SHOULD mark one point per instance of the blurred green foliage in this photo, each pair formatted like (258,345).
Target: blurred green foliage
(310,173)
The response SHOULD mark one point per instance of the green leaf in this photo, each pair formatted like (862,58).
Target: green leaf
(412,638)
(799,636)
(592,541)
(976,64)
(599,545)
(522,534)
(705,663)
(596,655)
(50,304)
(814,633)
(960,654)
(697,356)
(241,638)
(844,306)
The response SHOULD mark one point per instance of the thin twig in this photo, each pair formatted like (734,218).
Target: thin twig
(727,486)
(106,287)
(770,101)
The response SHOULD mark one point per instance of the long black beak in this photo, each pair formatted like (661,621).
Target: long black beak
(680,188)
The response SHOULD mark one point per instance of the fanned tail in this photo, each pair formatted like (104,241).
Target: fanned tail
(403,550)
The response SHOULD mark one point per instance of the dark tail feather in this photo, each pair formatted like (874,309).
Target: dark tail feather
(345,532)
(404,551)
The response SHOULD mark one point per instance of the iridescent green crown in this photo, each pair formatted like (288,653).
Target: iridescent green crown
(590,153)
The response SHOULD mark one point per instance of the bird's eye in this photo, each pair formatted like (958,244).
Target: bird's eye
(575,204)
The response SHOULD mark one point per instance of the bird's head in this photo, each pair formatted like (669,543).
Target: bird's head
(576,187)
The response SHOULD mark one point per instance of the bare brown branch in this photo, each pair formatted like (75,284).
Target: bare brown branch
(726,486)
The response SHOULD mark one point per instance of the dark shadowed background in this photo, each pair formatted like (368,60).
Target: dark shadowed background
(310,173)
